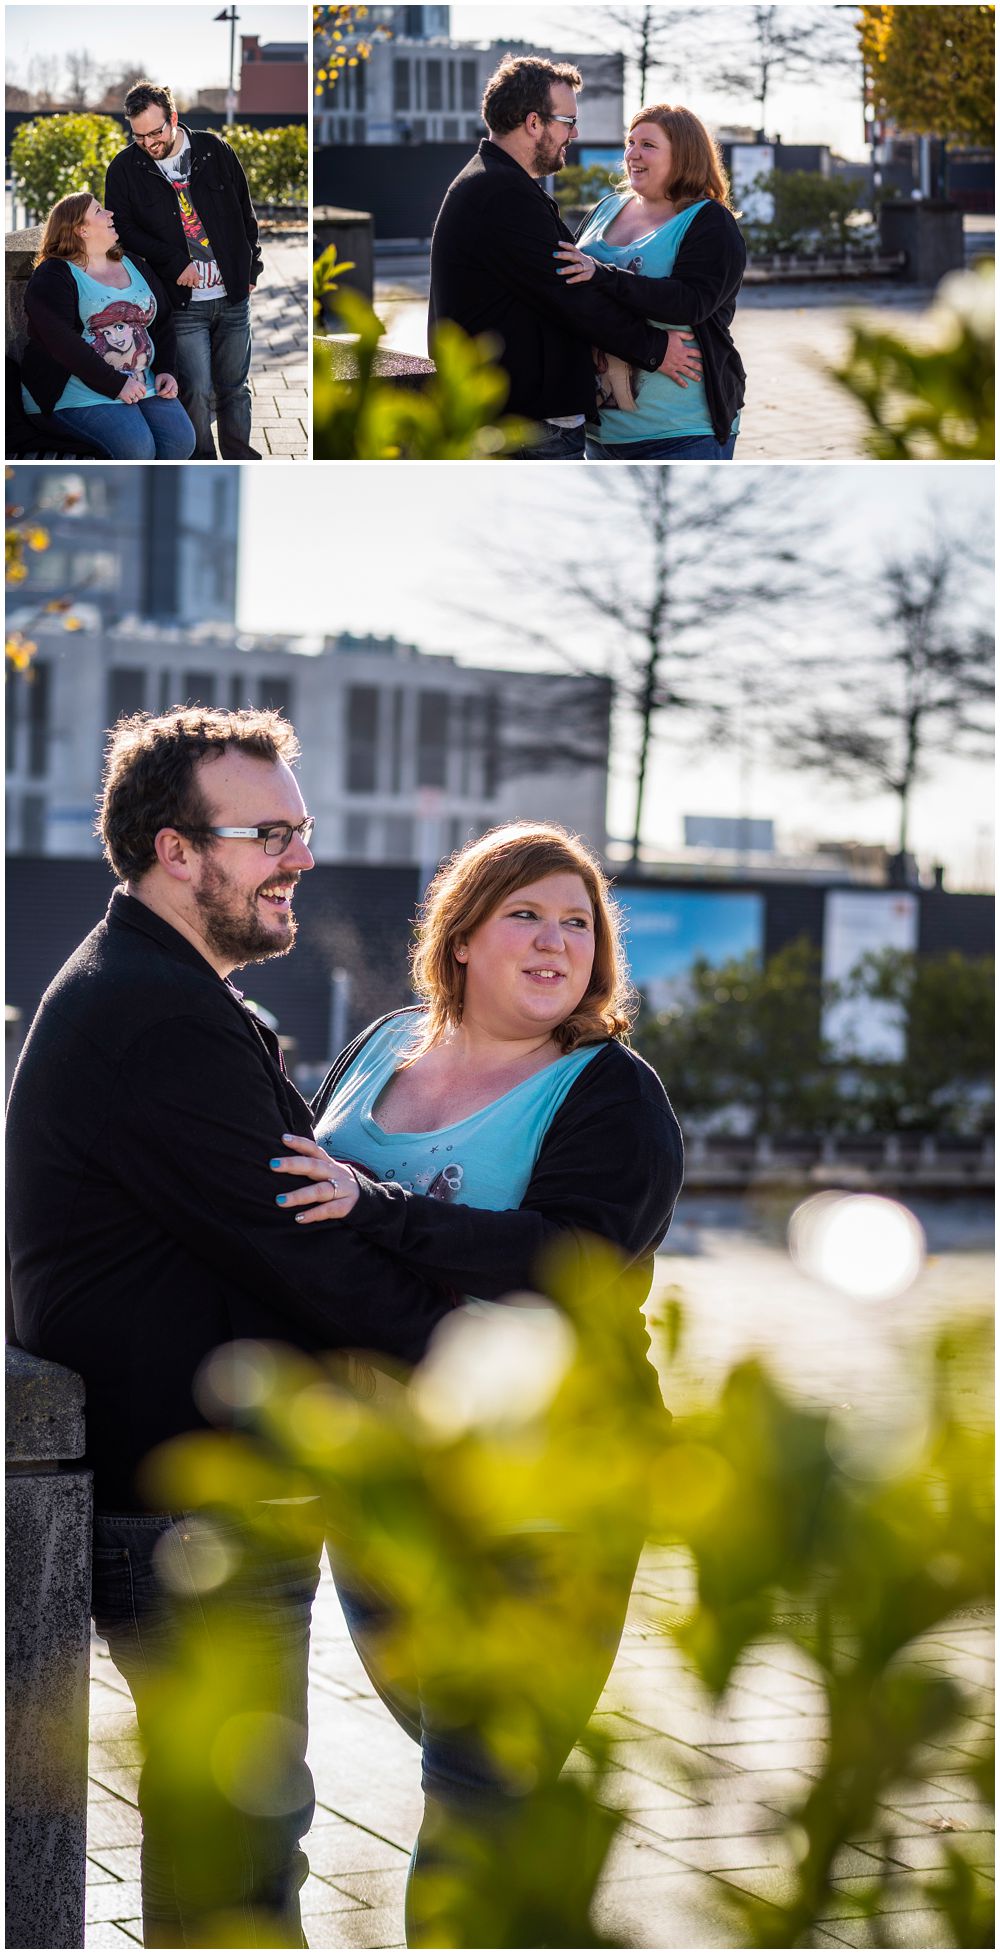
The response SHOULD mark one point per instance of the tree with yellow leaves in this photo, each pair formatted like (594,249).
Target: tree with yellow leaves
(341,40)
(931,70)
(24,536)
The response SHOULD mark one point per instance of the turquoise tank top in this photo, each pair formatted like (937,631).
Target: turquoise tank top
(483,1161)
(664,411)
(116,324)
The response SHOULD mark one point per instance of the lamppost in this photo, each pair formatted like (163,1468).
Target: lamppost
(230,14)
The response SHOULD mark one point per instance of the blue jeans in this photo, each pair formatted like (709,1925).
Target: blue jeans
(207,1864)
(558,444)
(148,430)
(213,362)
(459,1775)
(694,447)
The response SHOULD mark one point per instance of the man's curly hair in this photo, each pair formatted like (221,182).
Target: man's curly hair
(521,87)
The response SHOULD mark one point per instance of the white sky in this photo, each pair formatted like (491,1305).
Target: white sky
(388,550)
(827,110)
(185,45)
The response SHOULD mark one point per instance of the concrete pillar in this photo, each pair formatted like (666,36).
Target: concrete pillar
(48,1548)
(19,256)
(353,233)
(930,233)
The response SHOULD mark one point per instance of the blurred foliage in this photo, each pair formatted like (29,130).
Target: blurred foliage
(577,188)
(343,37)
(275,161)
(747,1034)
(932,398)
(456,415)
(24,536)
(932,69)
(810,212)
(61,154)
(435,1490)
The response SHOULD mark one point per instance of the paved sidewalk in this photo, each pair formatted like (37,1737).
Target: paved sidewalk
(279,376)
(704,1791)
(786,334)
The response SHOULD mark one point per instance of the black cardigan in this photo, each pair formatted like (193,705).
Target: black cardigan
(493,271)
(611,1166)
(701,292)
(141,1210)
(148,218)
(56,346)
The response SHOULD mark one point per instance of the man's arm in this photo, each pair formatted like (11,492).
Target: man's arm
(248,215)
(519,239)
(196,1116)
(168,255)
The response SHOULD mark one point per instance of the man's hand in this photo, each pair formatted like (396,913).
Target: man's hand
(683,360)
(576,267)
(253,288)
(166,386)
(189,276)
(132,391)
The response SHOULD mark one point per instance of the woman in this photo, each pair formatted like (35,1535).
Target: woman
(666,244)
(504,1118)
(93,360)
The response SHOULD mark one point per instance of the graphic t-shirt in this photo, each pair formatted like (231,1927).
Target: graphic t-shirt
(177,170)
(116,325)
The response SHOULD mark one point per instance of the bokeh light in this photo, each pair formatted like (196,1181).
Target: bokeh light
(491,1365)
(862,1244)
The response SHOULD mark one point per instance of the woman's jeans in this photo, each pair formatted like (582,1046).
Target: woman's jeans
(207,1857)
(213,363)
(459,1776)
(694,447)
(147,430)
(558,444)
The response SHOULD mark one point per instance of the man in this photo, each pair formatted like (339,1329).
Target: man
(144,1233)
(181,200)
(493,267)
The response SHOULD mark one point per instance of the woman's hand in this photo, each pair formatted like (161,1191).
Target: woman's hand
(132,391)
(682,360)
(166,386)
(577,267)
(336,1189)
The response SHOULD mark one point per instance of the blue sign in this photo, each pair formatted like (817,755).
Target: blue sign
(667,931)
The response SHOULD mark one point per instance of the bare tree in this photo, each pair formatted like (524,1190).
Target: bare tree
(690,588)
(652,39)
(44,77)
(83,78)
(783,44)
(883,721)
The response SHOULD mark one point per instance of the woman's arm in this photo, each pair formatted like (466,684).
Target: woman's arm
(708,272)
(610,1166)
(50,303)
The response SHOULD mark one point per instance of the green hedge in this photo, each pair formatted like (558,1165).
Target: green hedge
(276,161)
(61,154)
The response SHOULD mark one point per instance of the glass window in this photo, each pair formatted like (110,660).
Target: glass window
(432,739)
(14,688)
(33,824)
(449,129)
(198,688)
(435,86)
(126,691)
(470,92)
(398,838)
(357,829)
(491,745)
(38,699)
(362,738)
(400,84)
(276,693)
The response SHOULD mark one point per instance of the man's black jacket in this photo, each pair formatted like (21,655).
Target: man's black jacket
(148,218)
(142,1220)
(493,270)
(56,345)
(701,292)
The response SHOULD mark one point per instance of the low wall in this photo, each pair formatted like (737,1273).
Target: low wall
(49,1515)
(20,248)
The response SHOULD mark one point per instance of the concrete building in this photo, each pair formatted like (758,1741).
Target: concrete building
(127,541)
(405,754)
(422,90)
(274,76)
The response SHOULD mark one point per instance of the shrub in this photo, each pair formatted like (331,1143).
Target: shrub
(933,400)
(578,188)
(810,211)
(276,161)
(58,155)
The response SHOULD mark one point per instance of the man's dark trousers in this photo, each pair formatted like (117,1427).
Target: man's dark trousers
(213,362)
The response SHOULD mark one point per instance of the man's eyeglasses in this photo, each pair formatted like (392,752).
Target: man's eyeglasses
(570,120)
(151,135)
(276,835)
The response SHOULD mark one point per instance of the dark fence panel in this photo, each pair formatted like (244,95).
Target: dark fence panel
(402,184)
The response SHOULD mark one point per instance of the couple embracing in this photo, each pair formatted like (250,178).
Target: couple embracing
(616,344)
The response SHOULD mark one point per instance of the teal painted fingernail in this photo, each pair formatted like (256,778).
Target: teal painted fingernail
(274,1163)
(281,1199)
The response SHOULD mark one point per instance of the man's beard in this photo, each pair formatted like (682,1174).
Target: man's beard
(231,923)
(546,160)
